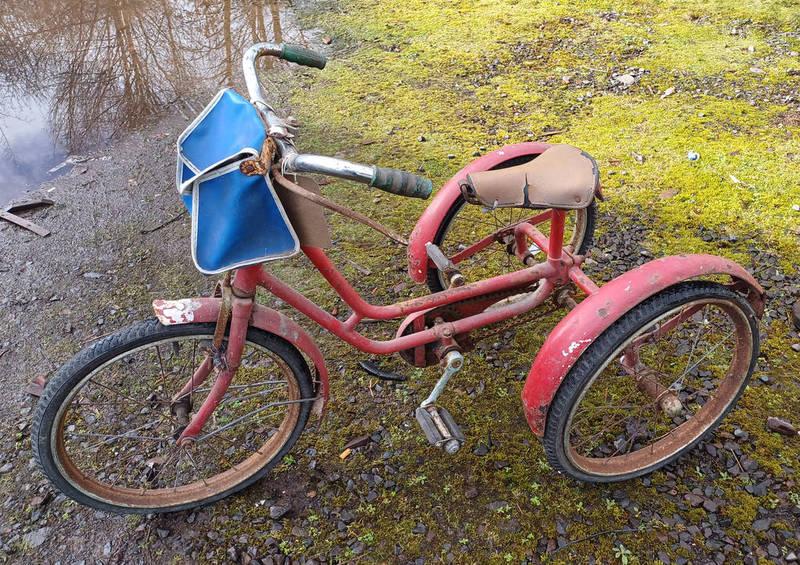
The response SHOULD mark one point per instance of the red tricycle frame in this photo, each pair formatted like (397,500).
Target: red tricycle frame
(561,349)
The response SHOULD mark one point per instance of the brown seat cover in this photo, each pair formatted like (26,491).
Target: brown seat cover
(561,177)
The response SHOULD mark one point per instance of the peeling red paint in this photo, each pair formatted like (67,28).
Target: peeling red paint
(267,319)
(432,217)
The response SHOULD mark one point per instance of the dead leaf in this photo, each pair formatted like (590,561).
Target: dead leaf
(345,453)
(357,442)
(669,193)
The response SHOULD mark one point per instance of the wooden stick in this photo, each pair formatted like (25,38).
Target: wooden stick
(22,222)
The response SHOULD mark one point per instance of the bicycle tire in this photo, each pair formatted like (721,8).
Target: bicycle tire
(596,360)
(77,374)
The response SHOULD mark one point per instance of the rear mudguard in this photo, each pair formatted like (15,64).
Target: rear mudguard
(570,338)
(432,217)
(192,310)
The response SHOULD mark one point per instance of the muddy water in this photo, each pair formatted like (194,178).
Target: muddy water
(77,73)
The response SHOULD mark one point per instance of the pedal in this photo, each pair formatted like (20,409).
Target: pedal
(439,427)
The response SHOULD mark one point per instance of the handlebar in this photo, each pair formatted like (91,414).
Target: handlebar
(389,180)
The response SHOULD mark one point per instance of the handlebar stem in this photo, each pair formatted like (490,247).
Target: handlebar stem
(275,125)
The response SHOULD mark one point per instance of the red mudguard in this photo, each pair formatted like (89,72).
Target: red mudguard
(432,217)
(570,338)
(188,310)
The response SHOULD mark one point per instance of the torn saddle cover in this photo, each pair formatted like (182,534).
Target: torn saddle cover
(562,177)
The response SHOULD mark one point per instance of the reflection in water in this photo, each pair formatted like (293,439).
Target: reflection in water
(99,67)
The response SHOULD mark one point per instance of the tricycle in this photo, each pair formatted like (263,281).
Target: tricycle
(207,397)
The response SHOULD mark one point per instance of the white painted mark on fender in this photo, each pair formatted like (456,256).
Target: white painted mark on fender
(171,312)
(573,346)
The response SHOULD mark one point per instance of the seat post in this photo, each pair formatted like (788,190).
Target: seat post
(556,237)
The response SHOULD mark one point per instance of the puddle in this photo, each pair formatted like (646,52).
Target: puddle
(75,74)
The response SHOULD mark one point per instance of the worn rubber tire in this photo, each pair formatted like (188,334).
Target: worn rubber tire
(606,344)
(126,339)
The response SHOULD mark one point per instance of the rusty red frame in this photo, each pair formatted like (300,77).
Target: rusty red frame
(560,266)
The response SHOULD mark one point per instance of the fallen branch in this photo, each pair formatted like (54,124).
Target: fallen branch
(596,535)
(168,222)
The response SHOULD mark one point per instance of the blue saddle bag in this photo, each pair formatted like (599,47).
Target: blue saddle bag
(237,220)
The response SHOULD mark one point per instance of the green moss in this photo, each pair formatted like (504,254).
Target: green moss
(743,513)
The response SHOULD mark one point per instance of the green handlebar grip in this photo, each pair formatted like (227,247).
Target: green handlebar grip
(401,182)
(303,56)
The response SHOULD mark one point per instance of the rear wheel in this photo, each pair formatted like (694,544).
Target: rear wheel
(465,224)
(104,434)
(653,384)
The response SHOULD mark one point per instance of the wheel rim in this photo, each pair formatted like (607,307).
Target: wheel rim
(145,468)
(470,224)
(616,427)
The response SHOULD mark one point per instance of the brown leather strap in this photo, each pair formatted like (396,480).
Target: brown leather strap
(322,201)
(222,320)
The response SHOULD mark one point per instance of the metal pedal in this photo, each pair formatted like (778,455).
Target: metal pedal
(440,428)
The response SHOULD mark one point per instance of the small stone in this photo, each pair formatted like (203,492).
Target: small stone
(6,468)
(277,512)
(107,548)
(421,138)
(710,505)
(796,315)
(795,347)
(497,505)
(233,554)
(791,556)
(347,516)
(358,547)
(626,80)
(419,529)
(481,450)
(470,493)
(762,525)
(162,533)
(694,499)
(451,156)
(92,275)
(37,537)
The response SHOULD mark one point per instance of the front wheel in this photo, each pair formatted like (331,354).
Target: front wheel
(104,434)
(653,384)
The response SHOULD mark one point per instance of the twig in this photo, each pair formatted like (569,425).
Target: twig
(596,535)
(549,133)
(168,222)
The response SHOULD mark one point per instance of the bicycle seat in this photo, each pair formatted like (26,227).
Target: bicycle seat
(563,177)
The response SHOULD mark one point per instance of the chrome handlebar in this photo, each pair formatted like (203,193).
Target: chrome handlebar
(390,180)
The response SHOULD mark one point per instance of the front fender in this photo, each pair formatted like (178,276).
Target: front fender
(189,310)
(432,217)
(570,338)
